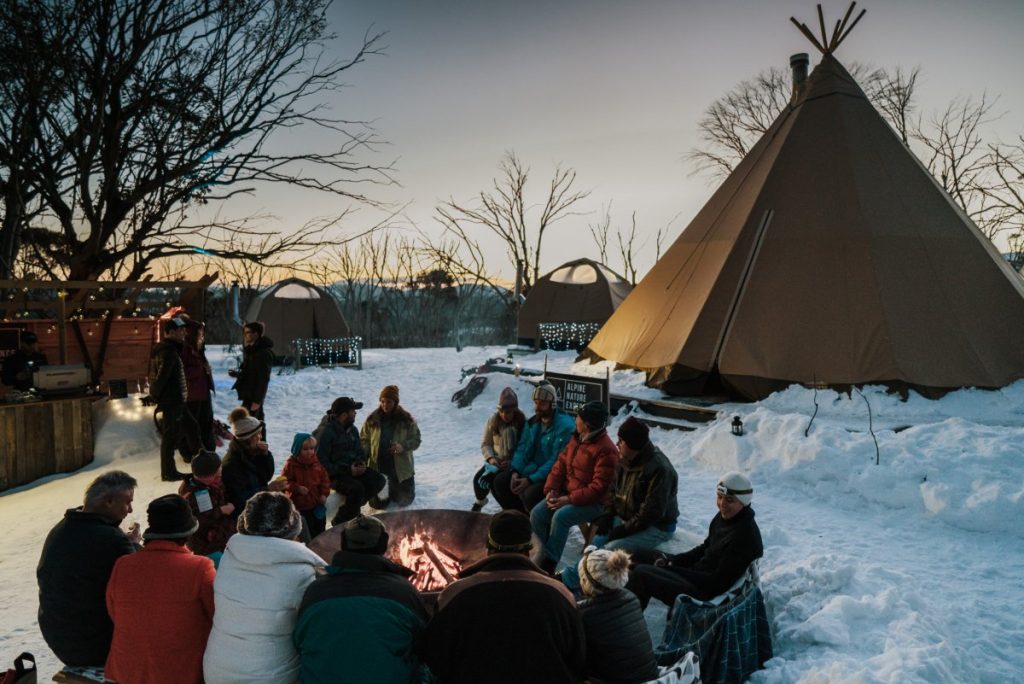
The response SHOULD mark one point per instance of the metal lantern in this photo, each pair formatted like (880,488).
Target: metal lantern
(737,426)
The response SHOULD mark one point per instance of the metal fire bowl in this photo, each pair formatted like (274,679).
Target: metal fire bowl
(463,533)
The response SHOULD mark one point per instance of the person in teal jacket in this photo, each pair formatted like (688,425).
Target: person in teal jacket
(521,486)
(363,620)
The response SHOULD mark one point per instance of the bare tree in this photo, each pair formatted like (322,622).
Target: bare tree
(1004,194)
(600,232)
(733,123)
(138,113)
(506,213)
(626,251)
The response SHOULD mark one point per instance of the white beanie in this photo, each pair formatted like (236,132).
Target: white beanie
(738,485)
(242,424)
(603,570)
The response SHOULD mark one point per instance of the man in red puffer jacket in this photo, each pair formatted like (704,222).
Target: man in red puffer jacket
(578,485)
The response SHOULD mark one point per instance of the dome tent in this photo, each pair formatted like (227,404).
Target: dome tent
(295,309)
(580,291)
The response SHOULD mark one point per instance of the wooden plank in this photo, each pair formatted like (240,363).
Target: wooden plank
(43,438)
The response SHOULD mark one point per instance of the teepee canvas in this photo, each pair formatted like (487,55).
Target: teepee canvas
(829,256)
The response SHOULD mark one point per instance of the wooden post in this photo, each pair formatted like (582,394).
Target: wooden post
(62,333)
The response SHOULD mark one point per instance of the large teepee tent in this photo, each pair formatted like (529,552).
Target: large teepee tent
(828,256)
(577,292)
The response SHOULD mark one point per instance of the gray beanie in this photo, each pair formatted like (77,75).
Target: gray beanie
(545,391)
(270,514)
(738,485)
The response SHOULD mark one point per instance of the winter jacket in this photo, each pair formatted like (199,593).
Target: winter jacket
(161,602)
(215,527)
(257,593)
(77,559)
(730,547)
(245,472)
(167,374)
(309,475)
(198,375)
(645,493)
(406,433)
(500,438)
(338,447)
(585,469)
(361,622)
(254,373)
(505,621)
(540,445)
(619,648)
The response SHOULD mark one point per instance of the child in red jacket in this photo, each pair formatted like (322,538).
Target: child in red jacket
(309,484)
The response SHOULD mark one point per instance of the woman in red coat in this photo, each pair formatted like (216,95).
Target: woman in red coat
(161,603)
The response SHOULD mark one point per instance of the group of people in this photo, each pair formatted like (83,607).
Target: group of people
(222,587)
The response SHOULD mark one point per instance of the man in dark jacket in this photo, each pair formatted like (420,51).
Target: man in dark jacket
(77,559)
(504,620)
(253,376)
(642,511)
(170,391)
(704,572)
(342,456)
(362,621)
(19,366)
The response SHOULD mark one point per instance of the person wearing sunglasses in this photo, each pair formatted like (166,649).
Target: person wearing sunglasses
(704,572)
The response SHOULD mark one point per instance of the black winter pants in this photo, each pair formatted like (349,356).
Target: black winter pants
(357,491)
(501,487)
(664,584)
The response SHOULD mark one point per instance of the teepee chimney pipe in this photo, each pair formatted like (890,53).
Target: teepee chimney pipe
(798,64)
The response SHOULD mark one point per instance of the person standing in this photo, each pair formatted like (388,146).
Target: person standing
(253,377)
(199,380)
(504,620)
(389,437)
(341,454)
(170,391)
(501,437)
(579,483)
(308,482)
(78,556)
(362,620)
(521,485)
(643,509)
(161,602)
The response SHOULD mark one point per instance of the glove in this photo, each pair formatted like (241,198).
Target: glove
(485,478)
(618,532)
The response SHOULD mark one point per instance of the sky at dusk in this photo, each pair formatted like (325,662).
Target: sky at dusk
(613,90)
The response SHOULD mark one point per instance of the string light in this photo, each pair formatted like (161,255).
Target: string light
(330,351)
(562,336)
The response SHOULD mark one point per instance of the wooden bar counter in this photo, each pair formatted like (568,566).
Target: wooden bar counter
(41,438)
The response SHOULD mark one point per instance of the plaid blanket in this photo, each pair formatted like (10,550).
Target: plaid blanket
(731,638)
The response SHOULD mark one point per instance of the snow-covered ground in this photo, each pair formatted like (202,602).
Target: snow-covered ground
(906,571)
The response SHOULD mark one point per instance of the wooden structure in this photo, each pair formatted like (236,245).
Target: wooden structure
(44,437)
(98,324)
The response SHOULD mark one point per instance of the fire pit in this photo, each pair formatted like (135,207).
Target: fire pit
(436,544)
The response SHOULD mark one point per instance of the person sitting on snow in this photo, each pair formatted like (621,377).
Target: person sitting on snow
(363,619)
(77,559)
(501,437)
(642,511)
(161,602)
(578,486)
(521,486)
(704,572)
(504,620)
(341,454)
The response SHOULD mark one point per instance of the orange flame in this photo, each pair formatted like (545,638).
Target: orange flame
(434,567)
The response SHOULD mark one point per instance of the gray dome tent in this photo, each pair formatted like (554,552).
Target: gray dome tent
(577,292)
(295,309)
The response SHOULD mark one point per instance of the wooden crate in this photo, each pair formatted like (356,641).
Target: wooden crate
(44,437)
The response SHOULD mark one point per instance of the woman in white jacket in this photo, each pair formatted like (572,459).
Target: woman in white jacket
(259,586)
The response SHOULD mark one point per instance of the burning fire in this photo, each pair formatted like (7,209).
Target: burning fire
(434,567)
